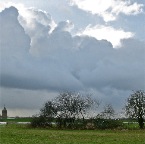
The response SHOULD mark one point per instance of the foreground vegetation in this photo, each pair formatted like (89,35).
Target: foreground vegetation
(70,110)
(22,134)
(64,121)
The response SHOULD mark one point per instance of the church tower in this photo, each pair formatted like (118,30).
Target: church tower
(4,112)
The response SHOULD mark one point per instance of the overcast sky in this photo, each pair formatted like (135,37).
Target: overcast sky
(88,46)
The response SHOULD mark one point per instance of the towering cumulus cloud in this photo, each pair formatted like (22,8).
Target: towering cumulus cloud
(14,46)
(38,54)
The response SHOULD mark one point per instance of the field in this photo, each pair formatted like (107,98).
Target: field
(11,120)
(21,134)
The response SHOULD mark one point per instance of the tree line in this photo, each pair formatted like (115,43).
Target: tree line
(72,110)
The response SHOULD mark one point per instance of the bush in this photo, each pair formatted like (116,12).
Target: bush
(39,122)
(107,123)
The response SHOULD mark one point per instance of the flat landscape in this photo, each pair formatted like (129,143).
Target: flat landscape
(22,134)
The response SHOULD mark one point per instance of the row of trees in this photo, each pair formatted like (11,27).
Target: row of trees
(72,110)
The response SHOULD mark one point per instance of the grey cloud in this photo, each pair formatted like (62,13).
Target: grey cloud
(59,61)
(24,99)
(13,40)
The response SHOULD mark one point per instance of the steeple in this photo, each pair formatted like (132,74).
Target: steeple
(4,112)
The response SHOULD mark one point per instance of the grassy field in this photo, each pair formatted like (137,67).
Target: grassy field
(16,120)
(18,134)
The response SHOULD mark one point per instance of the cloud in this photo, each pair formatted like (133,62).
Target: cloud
(31,19)
(22,102)
(109,9)
(107,32)
(39,56)
(64,26)
(15,44)
(60,61)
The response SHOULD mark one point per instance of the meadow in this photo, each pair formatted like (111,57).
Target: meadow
(22,134)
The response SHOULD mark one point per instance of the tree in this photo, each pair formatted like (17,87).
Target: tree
(72,106)
(135,107)
(108,112)
(48,112)
(66,109)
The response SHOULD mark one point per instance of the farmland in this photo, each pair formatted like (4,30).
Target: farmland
(22,134)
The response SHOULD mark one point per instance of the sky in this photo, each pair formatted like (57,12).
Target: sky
(89,46)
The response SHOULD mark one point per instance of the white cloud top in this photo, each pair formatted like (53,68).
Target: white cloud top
(109,9)
(107,32)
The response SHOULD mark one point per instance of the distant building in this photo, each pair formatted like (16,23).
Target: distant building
(4,112)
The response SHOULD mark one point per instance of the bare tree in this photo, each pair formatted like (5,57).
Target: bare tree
(49,109)
(135,107)
(66,108)
(72,106)
(108,112)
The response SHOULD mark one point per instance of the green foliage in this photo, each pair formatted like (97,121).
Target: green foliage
(107,123)
(38,122)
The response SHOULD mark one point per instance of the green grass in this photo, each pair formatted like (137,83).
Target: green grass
(20,134)
(16,120)
(131,126)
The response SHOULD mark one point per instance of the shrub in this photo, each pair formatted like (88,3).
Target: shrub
(107,123)
(39,122)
